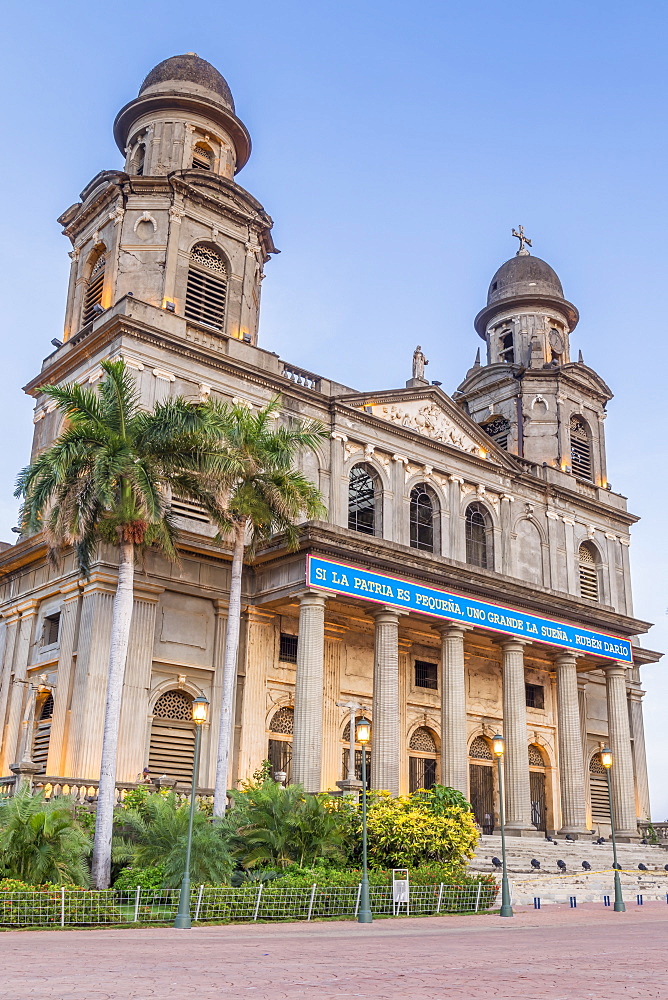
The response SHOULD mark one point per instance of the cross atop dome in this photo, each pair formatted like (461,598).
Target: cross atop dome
(519,234)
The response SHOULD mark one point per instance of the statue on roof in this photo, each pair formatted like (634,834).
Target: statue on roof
(419,361)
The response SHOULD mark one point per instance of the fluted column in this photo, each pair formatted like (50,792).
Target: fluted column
(132,736)
(11,629)
(307,742)
(621,774)
(571,768)
(582,706)
(516,760)
(18,689)
(385,745)
(454,758)
(636,722)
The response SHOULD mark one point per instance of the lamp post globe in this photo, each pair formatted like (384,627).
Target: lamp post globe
(498,749)
(363,737)
(606,761)
(200,713)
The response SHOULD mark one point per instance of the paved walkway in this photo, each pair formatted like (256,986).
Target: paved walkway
(590,953)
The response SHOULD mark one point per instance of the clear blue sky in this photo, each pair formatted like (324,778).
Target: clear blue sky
(395,145)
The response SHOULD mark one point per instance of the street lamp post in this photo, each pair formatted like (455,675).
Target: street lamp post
(506,910)
(364,915)
(606,761)
(200,710)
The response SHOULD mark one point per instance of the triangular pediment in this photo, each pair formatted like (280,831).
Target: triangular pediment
(431,413)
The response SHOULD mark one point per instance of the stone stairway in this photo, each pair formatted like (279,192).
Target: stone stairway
(553,885)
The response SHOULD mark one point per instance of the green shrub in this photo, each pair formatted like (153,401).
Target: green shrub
(151,879)
(42,841)
(42,905)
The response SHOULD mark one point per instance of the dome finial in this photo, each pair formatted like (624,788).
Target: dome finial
(519,234)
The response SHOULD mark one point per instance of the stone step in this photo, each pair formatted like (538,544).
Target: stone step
(520,851)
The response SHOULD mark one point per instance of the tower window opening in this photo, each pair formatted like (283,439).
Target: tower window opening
(426,675)
(422,518)
(580,448)
(288,648)
(94,289)
(507,349)
(478,536)
(202,157)
(206,290)
(588,571)
(138,159)
(364,496)
(51,629)
(498,429)
(535,695)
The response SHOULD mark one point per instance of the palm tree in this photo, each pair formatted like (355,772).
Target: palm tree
(107,478)
(264,495)
(41,840)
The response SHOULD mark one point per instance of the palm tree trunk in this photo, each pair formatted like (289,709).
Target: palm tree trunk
(118,651)
(229,671)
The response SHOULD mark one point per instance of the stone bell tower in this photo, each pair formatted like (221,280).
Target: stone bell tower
(172,229)
(529,395)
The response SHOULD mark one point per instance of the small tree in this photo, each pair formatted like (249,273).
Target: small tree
(108,478)
(263,495)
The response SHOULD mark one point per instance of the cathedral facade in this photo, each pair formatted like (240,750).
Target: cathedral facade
(472,575)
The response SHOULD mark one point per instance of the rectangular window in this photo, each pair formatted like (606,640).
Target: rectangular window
(426,675)
(535,695)
(51,629)
(288,648)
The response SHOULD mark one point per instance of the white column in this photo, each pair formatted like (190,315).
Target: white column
(18,690)
(621,773)
(571,768)
(307,741)
(571,560)
(385,737)
(11,626)
(582,706)
(67,642)
(454,757)
(516,760)
(338,483)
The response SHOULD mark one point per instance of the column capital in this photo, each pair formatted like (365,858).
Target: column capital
(566,659)
(614,669)
(388,612)
(510,641)
(452,628)
(314,597)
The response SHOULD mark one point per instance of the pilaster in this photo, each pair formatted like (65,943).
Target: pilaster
(11,628)
(137,684)
(18,686)
(637,727)
(250,721)
(68,637)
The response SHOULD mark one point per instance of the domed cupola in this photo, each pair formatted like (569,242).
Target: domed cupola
(527,320)
(183,118)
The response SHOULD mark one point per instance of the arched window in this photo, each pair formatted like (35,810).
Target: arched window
(588,570)
(598,786)
(498,429)
(172,746)
(580,448)
(279,753)
(358,756)
(364,498)
(42,732)
(207,287)
(423,518)
(202,157)
(479,545)
(421,759)
(94,289)
(481,783)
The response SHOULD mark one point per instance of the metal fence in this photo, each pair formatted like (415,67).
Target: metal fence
(82,907)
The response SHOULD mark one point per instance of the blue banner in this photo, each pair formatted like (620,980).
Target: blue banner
(327,574)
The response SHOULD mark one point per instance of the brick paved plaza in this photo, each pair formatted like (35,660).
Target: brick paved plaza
(560,954)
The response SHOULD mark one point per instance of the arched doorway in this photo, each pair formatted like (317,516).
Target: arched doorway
(279,752)
(172,746)
(598,786)
(481,780)
(422,758)
(537,787)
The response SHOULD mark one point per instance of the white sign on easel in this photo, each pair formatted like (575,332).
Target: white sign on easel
(400,890)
